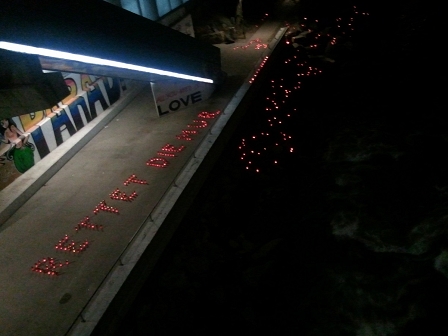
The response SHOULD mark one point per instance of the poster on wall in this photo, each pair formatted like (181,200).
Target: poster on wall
(174,95)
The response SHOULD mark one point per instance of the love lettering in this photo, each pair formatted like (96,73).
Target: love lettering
(176,104)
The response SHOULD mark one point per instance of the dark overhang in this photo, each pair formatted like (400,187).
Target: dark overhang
(138,47)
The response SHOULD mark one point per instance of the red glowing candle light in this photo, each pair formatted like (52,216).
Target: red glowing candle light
(208,115)
(48,266)
(198,124)
(157,162)
(172,149)
(121,196)
(86,224)
(102,206)
(69,245)
(184,136)
(133,179)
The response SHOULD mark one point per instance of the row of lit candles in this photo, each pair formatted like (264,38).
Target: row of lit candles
(249,155)
(51,266)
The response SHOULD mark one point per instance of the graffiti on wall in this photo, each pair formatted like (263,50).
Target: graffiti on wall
(26,139)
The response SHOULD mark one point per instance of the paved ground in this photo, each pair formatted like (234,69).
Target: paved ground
(82,176)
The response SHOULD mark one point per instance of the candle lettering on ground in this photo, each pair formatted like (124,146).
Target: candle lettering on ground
(133,179)
(52,266)
(121,196)
(69,245)
(198,124)
(86,224)
(258,45)
(208,115)
(102,206)
(157,162)
(170,151)
(49,266)
(185,135)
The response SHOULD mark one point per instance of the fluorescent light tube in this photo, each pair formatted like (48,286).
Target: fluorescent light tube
(94,60)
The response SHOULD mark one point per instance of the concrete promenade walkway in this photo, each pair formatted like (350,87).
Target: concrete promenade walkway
(42,209)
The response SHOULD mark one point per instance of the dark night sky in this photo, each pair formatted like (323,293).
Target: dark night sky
(347,235)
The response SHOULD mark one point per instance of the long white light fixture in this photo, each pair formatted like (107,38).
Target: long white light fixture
(94,60)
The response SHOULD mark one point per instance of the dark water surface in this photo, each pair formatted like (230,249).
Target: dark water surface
(347,233)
